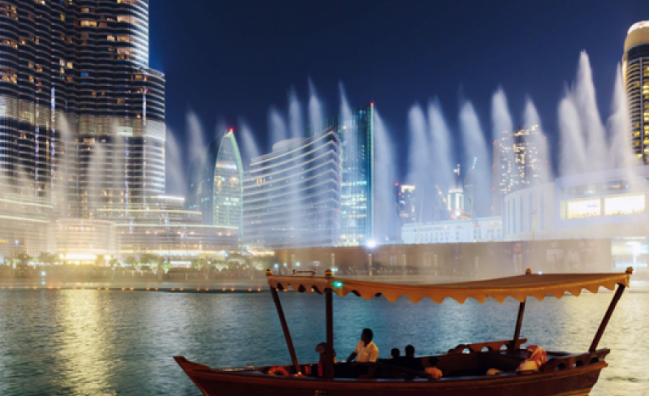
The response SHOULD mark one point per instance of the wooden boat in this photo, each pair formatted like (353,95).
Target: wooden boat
(464,366)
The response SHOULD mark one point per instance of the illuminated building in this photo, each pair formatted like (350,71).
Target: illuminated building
(83,241)
(215,185)
(635,68)
(481,229)
(356,134)
(291,197)
(406,205)
(605,204)
(456,196)
(164,227)
(469,190)
(81,114)
(517,163)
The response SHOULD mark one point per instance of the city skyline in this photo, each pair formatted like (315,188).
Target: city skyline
(541,73)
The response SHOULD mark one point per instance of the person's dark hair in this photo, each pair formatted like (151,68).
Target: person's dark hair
(368,333)
(410,350)
(433,361)
(395,353)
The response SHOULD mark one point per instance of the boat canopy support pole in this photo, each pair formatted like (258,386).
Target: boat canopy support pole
(607,317)
(287,334)
(519,323)
(329,362)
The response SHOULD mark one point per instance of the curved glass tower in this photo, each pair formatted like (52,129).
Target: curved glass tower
(292,196)
(228,185)
(215,188)
(635,64)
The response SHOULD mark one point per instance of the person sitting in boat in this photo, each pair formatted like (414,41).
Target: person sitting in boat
(409,361)
(366,350)
(321,348)
(536,358)
(395,353)
(432,369)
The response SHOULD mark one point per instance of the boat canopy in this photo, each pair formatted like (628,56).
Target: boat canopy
(518,287)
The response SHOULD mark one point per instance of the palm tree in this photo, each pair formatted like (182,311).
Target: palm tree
(47,258)
(198,263)
(166,266)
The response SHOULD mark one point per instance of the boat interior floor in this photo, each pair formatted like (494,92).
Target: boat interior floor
(452,365)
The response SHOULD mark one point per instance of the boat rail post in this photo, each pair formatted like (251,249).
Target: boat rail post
(609,312)
(282,319)
(519,323)
(519,320)
(329,362)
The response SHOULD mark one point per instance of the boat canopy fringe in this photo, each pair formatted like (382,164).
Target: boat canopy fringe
(518,287)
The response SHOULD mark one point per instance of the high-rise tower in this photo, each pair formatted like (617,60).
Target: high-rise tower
(81,115)
(635,68)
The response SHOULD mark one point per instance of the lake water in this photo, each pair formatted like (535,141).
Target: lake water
(89,342)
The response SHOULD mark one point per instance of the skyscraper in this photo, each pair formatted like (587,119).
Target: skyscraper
(518,163)
(635,68)
(356,132)
(292,195)
(81,115)
(215,185)
(456,195)
(409,210)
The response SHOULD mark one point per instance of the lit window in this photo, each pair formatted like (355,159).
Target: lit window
(581,208)
(624,204)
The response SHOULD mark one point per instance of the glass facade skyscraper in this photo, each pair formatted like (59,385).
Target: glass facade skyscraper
(635,67)
(518,163)
(215,187)
(356,132)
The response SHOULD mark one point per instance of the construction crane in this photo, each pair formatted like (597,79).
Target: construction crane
(441,194)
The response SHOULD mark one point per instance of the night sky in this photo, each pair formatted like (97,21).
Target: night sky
(232,60)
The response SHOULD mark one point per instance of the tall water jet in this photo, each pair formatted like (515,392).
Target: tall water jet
(278,130)
(540,162)
(476,150)
(619,127)
(591,122)
(573,146)
(384,163)
(316,118)
(419,165)
(442,158)
(175,178)
(194,129)
(247,139)
(295,123)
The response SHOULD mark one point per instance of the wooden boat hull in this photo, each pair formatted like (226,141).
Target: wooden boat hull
(577,381)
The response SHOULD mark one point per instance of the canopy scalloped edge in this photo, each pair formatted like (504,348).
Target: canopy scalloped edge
(518,287)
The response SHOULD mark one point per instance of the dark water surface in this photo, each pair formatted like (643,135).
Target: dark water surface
(89,342)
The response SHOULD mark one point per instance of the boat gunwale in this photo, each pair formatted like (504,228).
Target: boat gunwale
(509,378)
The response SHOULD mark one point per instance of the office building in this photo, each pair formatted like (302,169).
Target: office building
(482,229)
(407,206)
(518,163)
(469,190)
(292,196)
(635,68)
(164,227)
(215,185)
(455,200)
(356,133)
(604,204)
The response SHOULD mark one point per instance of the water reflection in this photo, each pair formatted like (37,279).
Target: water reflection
(78,342)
